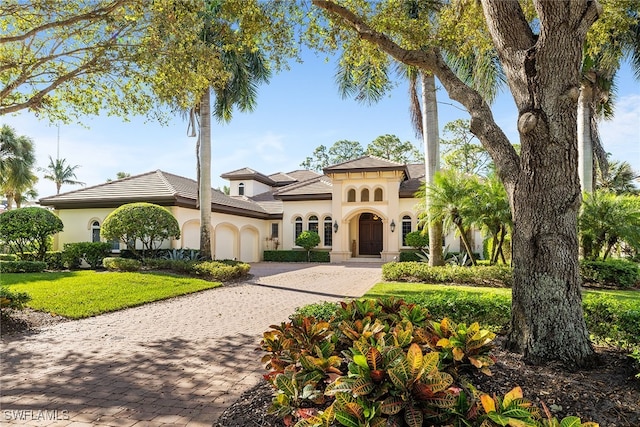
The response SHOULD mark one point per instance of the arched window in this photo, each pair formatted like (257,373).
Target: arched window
(328,231)
(351,195)
(95,231)
(406,228)
(241,189)
(297,228)
(364,195)
(377,195)
(313,223)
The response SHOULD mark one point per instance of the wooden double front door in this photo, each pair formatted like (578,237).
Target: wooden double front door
(370,234)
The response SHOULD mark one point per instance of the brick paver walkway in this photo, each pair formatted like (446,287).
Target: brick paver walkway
(179,362)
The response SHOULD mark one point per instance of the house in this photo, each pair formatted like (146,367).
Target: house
(361,209)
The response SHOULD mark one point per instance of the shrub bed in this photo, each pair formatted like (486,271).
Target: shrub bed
(495,275)
(22,266)
(91,252)
(8,257)
(612,272)
(296,256)
(13,300)
(53,259)
(387,363)
(121,264)
(221,270)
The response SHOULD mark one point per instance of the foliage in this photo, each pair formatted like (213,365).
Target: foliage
(29,229)
(60,172)
(308,240)
(22,266)
(323,311)
(607,219)
(221,270)
(610,272)
(497,275)
(11,299)
(461,152)
(384,362)
(17,165)
(612,322)
(80,294)
(8,257)
(296,256)
(53,259)
(340,152)
(417,239)
(391,148)
(92,252)
(611,316)
(451,201)
(146,223)
(178,254)
(618,179)
(121,264)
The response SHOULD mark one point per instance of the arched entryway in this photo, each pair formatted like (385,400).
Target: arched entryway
(369,234)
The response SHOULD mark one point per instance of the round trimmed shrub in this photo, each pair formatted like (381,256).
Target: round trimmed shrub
(121,264)
(29,230)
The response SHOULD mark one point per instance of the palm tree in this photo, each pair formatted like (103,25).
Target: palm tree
(619,178)
(606,219)
(492,214)
(17,162)
(61,173)
(451,202)
(597,91)
(245,69)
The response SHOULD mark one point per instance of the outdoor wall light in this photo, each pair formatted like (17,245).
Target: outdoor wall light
(393,226)
(335,226)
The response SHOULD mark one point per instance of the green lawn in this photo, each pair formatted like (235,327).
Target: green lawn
(405,290)
(79,294)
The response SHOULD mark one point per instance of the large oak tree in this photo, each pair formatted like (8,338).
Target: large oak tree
(542,65)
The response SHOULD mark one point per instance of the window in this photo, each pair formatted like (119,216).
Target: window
(377,195)
(297,228)
(328,231)
(351,195)
(95,231)
(274,230)
(241,189)
(406,228)
(313,223)
(364,195)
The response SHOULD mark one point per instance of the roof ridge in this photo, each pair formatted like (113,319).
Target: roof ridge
(102,184)
(164,179)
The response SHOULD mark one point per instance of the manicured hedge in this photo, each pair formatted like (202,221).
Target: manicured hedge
(495,275)
(92,252)
(612,272)
(296,256)
(121,264)
(8,257)
(22,266)
(53,259)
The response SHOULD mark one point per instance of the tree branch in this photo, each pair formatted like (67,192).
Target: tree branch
(483,124)
(97,14)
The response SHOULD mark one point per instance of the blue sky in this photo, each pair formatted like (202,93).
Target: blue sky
(299,110)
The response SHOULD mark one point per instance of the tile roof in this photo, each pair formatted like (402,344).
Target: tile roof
(248,173)
(157,187)
(317,188)
(366,163)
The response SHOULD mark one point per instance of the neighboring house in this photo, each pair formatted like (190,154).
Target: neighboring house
(362,208)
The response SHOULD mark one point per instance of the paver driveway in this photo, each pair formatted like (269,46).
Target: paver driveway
(177,362)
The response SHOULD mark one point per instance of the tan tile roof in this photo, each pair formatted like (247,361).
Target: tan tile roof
(157,187)
(366,163)
(318,188)
(247,173)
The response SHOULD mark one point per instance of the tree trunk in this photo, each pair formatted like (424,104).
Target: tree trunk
(585,143)
(205,176)
(431,137)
